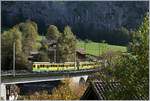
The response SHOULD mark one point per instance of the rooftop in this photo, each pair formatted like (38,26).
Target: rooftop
(100,90)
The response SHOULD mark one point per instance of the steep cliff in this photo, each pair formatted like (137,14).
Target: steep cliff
(85,18)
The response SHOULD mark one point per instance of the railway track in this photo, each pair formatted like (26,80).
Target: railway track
(27,73)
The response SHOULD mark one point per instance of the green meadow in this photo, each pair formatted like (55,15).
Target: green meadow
(97,49)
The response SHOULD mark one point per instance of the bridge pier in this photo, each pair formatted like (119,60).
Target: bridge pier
(6,90)
(3,92)
(79,80)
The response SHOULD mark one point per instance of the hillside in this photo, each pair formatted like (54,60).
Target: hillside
(97,49)
(89,20)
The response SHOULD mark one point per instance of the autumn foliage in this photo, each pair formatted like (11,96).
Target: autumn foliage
(65,91)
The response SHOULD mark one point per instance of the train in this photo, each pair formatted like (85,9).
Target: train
(66,66)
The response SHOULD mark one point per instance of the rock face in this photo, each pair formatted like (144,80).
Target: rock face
(81,16)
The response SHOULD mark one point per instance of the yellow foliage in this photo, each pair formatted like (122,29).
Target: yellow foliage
(62,92)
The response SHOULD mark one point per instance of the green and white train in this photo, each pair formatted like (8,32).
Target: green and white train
(67,66)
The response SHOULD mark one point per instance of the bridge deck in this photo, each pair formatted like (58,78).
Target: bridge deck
(44,76)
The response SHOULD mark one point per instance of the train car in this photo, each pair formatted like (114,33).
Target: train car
(46,66)
(89,65)
(67,66)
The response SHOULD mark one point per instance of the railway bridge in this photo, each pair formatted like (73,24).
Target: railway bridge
(8,79)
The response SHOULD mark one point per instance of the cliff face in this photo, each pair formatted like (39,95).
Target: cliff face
(81,16)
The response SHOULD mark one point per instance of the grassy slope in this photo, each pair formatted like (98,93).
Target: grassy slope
(96,48)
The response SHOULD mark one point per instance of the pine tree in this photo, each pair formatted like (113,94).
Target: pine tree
(66,45)
(52,33)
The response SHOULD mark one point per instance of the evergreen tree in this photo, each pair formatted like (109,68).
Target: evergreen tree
(24,35)
(43,57)
(30,32)
(66,45)
(8,39)
(52,33)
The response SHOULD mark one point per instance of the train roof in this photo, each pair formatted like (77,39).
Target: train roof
(60,63)
(41,62)
(50,63)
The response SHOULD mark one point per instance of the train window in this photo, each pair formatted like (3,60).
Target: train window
(38,66)
(47,66)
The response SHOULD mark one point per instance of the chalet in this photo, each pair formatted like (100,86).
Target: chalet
(33,55)
(80,53)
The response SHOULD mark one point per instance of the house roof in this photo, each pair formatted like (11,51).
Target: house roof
(34,52)
(102,90)
(80,50)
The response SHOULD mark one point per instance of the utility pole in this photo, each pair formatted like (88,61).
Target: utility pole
(75,59)
(85,46)
(54,53)
(85,49)
(99,48)
(14,53)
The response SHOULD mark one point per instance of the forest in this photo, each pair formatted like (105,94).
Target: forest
(96,21)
